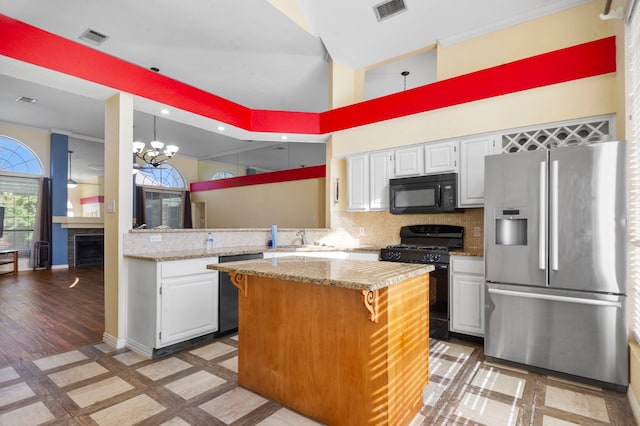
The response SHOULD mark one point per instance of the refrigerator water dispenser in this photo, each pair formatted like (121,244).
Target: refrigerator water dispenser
(511,228)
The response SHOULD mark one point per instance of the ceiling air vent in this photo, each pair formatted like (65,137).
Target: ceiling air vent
(93,37)
(389,8)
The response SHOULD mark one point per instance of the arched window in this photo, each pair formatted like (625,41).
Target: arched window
(164,175)
(222,174)
(17,158)
(20,170)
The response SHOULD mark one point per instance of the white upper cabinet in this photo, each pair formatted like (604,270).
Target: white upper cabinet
(441,157)
(409,161)
(380,171)
(471,178)
(358,182)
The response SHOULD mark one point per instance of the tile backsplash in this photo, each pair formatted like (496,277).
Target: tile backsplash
(382,228)
(379,230)
(153,241)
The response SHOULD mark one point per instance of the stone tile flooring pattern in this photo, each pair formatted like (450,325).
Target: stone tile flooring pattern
(97,385)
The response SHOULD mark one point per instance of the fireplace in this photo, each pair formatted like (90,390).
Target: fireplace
(88,249)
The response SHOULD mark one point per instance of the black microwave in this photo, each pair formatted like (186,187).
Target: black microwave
(423,194)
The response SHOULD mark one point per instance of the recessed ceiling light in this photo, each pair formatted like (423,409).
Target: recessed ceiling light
(26,100)
(164,111)
(221,128)
(284,137)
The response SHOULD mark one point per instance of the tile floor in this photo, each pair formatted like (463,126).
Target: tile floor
(96,385)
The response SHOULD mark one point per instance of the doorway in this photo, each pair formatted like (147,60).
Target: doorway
(199,210)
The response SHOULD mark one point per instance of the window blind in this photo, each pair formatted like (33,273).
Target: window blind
(633,148)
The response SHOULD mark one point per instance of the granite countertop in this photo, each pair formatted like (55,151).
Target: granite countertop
(168,255)
(468,252)
(320,247)
(353,274)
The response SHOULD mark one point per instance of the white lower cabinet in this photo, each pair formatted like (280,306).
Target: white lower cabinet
(170,302)
(466,300)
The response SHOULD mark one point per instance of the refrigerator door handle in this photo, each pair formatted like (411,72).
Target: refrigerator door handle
(542,238)
(555,298)
(554,215)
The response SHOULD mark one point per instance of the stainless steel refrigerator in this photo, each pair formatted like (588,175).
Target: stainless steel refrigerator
(555,260)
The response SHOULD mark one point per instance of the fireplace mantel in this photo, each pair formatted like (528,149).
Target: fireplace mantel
(79,222)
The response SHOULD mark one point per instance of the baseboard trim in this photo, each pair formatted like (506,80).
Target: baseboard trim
(633,402)
(140,348)
(112,341)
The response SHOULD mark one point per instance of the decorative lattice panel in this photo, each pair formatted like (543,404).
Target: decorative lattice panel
(561,135)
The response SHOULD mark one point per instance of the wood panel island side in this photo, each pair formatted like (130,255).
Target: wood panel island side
(345,342)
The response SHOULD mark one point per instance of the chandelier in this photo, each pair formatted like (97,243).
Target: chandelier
(154,155)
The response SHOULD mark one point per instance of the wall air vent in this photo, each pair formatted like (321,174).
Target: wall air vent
(93,37)
(388,9)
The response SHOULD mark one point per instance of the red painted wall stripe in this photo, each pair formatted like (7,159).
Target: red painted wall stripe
(92,200)
(572,63)
(33,45)
(306,123)
(312,172)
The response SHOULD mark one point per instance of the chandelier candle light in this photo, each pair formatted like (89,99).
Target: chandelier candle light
(154,156)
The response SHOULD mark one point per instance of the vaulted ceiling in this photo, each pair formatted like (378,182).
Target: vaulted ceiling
(247,51)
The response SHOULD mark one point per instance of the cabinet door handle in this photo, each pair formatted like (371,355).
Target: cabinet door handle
(542,236)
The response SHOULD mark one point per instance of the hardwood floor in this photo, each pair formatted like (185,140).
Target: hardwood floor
(42,313)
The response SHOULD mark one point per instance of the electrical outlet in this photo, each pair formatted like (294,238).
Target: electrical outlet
(155,238)
(362,230)
(477,232)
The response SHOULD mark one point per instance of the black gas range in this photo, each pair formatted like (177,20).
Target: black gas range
(430,244)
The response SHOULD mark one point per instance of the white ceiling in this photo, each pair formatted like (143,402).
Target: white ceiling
(244,50)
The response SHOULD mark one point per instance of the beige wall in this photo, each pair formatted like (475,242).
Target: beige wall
(38,140)
(563,29)
(188,168)
(295,204)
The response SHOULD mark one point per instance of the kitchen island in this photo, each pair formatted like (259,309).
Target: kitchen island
(342,341)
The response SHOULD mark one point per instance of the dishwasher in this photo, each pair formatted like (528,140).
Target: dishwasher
(228,296)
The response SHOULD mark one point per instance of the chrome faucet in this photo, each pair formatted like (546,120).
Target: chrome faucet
(303,237)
